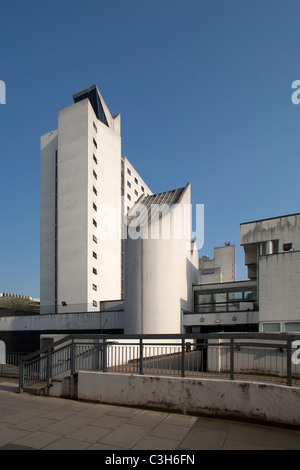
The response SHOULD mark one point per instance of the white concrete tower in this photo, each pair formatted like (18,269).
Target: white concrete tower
(80,186)
(161,263)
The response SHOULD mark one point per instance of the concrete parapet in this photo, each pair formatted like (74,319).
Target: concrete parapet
(254,401)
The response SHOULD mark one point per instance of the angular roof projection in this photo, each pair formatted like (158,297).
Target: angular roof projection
(96,100)
(148,209)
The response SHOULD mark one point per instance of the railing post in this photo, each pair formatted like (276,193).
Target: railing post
(141,371)
(48,368)
(182,357)
(104,353)
(21,376)
(72,357)
(288,362)
(231,358)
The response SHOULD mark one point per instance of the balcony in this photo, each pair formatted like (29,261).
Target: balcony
(226,303)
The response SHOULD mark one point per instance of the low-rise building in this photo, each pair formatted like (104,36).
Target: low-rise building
(269,300)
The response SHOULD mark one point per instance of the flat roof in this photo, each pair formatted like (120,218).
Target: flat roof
(270,218)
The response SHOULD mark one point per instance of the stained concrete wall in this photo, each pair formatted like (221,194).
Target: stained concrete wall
(222,268)
(279,295)
(261,402)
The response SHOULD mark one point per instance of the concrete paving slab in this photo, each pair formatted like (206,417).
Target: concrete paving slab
(58,414)
(99,446)
(266,436)
(65,443)
(60,428)
(9,435)
(180,420)
(50,423)
(77,420)
(125,411)
(156,443)
(232,444)
(15,447)
(125,436)
(148,418)
(89,433)
(34,424)
(199,438)
(171,431)
(97,411)
(109,421)
(36,440)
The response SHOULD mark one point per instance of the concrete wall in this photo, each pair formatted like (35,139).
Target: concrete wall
(158,277)
(108,215)
(232,399)
(72,204)
(279,281)
(286,229)
(94,321)
(222,268)
(225,318)
(49,146)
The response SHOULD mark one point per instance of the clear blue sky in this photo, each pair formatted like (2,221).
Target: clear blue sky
(204,91)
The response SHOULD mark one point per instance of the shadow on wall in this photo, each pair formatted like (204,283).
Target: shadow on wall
(187,304)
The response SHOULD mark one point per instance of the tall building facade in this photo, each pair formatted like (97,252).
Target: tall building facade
(133,187)
(82,205)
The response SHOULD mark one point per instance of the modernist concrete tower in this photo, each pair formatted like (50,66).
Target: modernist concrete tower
(161,263)
(80,181)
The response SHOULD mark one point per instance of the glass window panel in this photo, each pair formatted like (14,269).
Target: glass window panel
(250,295)
(204,308)
(219,297)
(202,298)
(292,327)
(263,248)
(271,327)
(220,307)
(233,306)
(275,246)
(235,295)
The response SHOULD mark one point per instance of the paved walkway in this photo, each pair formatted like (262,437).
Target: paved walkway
(35,422)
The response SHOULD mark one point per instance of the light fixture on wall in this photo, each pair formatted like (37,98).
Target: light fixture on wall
(234,318)
(202,319)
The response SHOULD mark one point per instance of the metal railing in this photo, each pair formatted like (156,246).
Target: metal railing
(10,364)
(240,356)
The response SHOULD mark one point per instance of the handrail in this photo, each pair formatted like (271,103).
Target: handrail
(233,341)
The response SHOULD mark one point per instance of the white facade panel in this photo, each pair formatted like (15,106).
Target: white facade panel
(279,281)
(49,144)
(87,266)
(158,278)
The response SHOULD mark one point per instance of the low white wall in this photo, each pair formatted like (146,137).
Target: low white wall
(277,404)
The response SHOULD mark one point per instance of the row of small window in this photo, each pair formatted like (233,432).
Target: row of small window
(135,180)
(129,186)
(94,140)
(292,327)
(94,205)
(128,195)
